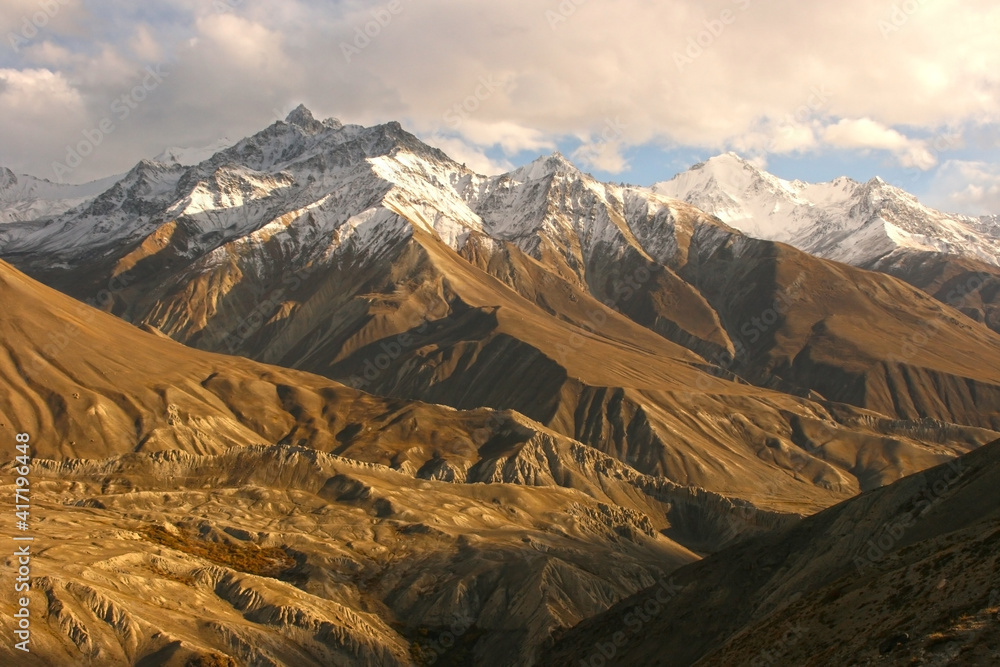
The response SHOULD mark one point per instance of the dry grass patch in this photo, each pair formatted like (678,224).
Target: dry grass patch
(249,558)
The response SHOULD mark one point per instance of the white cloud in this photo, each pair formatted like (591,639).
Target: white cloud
(917,156)
(753,83)
(602,155)
(512,137)
(865,133)
(34,105)
(793,137)
(471,156)
(28,19)
(145,45)
(243,47)
(971,187)
(37,92)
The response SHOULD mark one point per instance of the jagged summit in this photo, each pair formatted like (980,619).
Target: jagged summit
(302,117)
(851,222)
(575,386)
(545,166)
(856,223)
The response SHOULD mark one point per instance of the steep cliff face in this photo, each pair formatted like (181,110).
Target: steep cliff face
(693,516)
(86,384)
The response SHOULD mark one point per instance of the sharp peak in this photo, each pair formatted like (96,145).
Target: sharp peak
(878,183)
(880,186)
(299,115)
(557,156)
(405,141)
(732,156)
(547,165)
(727,162)
(302,117)
(146,164)
(729,157)
(384,138)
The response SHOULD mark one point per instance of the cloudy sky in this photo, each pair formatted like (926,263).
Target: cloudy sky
(631,90)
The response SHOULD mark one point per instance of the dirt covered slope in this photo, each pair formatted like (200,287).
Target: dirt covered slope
(905,574)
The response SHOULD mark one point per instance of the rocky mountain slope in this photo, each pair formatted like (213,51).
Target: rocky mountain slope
(872,225)
(348,397)
(902,575)
(282,555)
(363,255)
(189,504)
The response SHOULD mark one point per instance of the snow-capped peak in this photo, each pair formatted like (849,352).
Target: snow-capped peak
(331,169)
(543,167)
(729,157)
(843,220)
(24,197)
(740,194)
(302,117)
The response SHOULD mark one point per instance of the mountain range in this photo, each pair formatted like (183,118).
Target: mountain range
(353,397)
(872,225)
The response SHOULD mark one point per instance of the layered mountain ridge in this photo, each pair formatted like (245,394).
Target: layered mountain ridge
(905,574)
(319,246)
(851,222)
(24,197)
(197,470)
(414,351)
(873,225)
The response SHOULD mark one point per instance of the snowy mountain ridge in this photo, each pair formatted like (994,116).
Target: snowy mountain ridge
(373,184)
(850,222)
(337,189)
(24,197)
